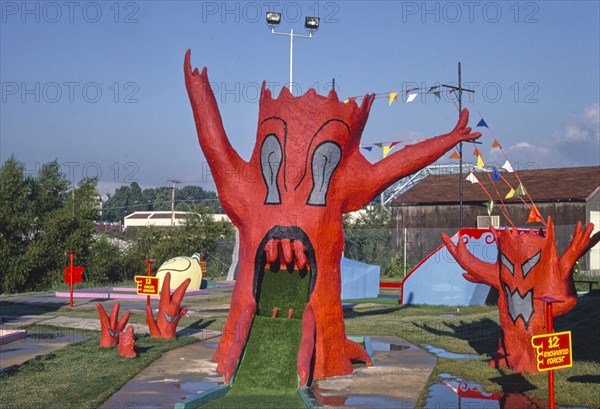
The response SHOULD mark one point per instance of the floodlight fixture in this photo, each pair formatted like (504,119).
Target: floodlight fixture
(312,23)
(273,18)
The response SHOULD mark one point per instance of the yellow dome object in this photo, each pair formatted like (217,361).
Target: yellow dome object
(181,268)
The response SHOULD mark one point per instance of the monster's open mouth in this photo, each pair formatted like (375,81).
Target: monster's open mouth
(519,305)
(285,272)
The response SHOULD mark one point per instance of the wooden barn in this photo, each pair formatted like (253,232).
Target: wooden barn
(431,207)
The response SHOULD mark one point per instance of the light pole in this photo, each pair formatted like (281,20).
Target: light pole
(311,24)
(174,181)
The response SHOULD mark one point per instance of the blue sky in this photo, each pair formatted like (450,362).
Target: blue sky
(99,85)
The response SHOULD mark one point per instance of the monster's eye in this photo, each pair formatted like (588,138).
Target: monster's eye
(529,264)
(270,163)
(507,263)
(325,160)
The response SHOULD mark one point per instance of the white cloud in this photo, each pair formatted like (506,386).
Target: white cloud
(578,140)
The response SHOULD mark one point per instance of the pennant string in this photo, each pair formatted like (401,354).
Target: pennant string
(506,157)
(504,210)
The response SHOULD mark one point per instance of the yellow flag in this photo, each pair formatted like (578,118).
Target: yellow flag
(387,149)
(393,97)
(510,194)
(480,163)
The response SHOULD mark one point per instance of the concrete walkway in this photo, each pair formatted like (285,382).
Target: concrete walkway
(399,373)
(398,376)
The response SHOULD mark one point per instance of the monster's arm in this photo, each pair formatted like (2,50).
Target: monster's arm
(477,271)
(226,165)
(375,178)
(581,243)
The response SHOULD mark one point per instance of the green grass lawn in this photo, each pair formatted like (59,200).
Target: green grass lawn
(475,330)
(80,375)
(471,330)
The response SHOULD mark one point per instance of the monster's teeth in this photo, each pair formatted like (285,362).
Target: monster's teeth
(271,250)
(286,247)
(299,252)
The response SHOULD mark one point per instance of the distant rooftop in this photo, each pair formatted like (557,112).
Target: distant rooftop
(544,185)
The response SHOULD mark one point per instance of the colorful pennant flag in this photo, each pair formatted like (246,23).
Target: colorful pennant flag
(378,144)
(507,167)
(386,150)
(411,97)
(393,97)
(432,88)
(534,215)
(394,144)
(476,152)
(455,155)
(495,174)
(472,178)
(367,148)
(490,207)
(495,144)
(480,163)
(520,190)
(510,194)
(437,94)
(482,123)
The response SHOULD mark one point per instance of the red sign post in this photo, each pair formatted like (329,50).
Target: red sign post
(73,274)
(150,289)
(553,349)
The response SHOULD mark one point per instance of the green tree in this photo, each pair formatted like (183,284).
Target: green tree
(39,220)
(368,238)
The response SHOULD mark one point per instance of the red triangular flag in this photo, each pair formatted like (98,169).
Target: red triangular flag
(455,155)
(476,152)
(496,144)
(534,216)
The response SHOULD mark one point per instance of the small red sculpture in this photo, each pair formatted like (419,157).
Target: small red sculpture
(126,343)
(111,327)
(305,172)
(169,311)
(528,267)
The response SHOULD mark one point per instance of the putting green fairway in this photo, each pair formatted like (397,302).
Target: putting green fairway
(267,376)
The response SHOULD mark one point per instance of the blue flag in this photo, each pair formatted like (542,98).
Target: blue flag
(367,148)
(495,175)
(482,123)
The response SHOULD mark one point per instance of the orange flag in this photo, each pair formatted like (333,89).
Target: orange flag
(476,152)
(455,155)
(496,144)
(534,215)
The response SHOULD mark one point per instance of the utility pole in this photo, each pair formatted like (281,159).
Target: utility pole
(460,90)
(174,181)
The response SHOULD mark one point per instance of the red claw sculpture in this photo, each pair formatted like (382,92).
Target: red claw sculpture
(110,328)
(528,266)
(169,311)
(126,343)
(287,201)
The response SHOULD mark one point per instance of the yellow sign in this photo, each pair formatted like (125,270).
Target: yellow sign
(554,350)
(147,285)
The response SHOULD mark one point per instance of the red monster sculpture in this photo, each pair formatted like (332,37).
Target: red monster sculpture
(169,311)
(126,343)
(110,328)
(287,201)
(528,266)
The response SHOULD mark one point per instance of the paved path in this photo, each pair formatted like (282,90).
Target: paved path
(399,374)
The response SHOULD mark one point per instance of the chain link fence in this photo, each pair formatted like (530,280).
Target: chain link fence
(421,242)
(386,248)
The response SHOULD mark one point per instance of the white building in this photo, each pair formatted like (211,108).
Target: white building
(164,218)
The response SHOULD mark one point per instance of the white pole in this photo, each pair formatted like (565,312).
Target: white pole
(291,58)
(405,252)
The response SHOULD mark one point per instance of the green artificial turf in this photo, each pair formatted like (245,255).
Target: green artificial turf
(283,289)
(267,376)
